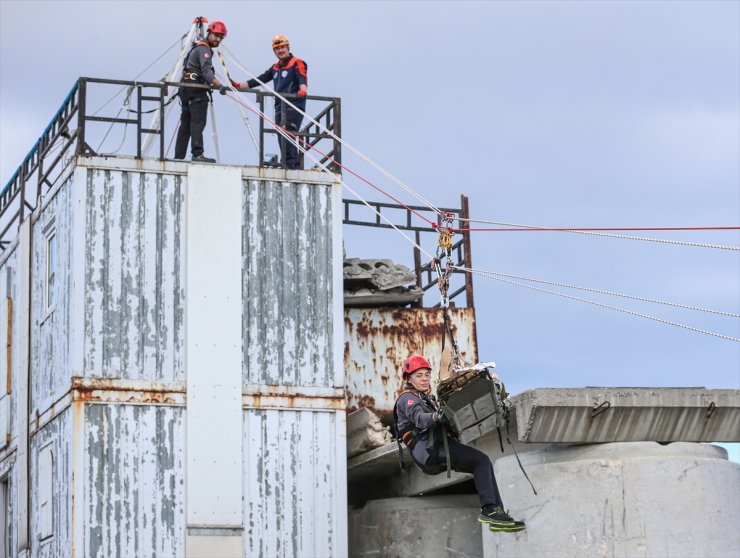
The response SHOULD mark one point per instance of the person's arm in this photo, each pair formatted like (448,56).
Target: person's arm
(302,74)
(411,407)
(206,67)
(264,77)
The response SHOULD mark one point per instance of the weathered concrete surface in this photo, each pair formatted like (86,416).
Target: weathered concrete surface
(365,432)
(621,500)
(435,526)
(628,414)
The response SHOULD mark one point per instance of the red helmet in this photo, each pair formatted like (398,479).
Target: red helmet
(217,27)
(414,363)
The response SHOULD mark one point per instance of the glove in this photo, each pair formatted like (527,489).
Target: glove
(440,415)
(235,84)
(223,90)
(302,92)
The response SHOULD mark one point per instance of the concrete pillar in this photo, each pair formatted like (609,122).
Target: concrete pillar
(624,499)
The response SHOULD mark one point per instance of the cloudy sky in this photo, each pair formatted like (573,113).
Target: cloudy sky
(552,114)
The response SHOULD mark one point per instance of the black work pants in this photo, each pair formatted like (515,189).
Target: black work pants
(465,459)
(289,157)
(192,123)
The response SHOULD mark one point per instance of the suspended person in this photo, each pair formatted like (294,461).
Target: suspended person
(419,420)
(290,75)
(198,68)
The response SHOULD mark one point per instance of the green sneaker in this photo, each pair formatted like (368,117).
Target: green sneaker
(518,526)
(495,516)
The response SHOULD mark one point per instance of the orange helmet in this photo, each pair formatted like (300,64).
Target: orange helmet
(280,40)
(217,27)
(414,363)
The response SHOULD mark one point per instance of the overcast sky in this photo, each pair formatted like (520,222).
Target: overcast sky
(556,114)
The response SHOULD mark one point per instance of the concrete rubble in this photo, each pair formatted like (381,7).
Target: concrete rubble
(365,431)
(373,282)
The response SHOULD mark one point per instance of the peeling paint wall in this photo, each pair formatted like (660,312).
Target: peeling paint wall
(377,340)
(291,506)
(288,295)
(134,481)
(51,337)
(7,474)
(9,289)
(56,434)
(133,270)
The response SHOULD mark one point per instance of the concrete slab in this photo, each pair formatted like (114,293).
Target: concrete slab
(628,414)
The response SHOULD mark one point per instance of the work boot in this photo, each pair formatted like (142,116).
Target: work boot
(518,526)
(495,516)
(202,159)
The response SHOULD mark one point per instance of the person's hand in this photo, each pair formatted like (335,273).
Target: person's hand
(235,84)
(223,90)
(302,92)
(439,415)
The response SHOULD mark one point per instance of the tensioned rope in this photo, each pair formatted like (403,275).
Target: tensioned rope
(293,137)
(593,231)
(343,142)
(607,306)
(599,291)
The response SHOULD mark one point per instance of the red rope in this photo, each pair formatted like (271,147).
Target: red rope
(455,229)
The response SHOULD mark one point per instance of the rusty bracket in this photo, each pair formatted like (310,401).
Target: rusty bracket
(710,410)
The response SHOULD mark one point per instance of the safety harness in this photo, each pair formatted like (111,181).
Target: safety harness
(411,435)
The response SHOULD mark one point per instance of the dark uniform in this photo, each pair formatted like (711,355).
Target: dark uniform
(288,78)
(198,69)
(417,428)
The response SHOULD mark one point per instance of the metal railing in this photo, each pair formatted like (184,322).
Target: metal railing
(69,133)
(425,278)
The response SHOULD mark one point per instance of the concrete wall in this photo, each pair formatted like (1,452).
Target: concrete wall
(631,499)
(437,526)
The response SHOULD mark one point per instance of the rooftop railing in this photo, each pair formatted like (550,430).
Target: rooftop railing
(76,127)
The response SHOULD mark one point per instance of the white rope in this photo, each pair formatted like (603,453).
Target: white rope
(123,88)
(214,131)
(324,168)
(343,142)
(245,118)
(611,293)
(610,235)
(624,310)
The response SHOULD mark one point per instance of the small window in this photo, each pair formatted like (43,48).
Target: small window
(50,291)
(46,501)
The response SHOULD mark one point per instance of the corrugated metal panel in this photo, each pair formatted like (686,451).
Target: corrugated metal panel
(56,435)
(50,339)
(288,292)
(7,472)
(9,289)
(377,340)
(291,502)
(134,475)
(134,296)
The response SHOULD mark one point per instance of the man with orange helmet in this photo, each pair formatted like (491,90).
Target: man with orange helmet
(419,420)
(198,68)
(290,75)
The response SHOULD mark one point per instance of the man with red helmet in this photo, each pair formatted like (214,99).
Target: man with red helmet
(198,68)
(290,75)
(419,425)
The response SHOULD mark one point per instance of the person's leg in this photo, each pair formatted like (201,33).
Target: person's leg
(470,460)
(293,124)
(198,115)
(183,133)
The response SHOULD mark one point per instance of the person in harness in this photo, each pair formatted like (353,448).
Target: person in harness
(420,425)
(198,68)
(290,76)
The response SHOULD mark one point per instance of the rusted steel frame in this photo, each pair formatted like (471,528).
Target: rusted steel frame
(467,251)
(142,392)
(417,265)
(293,397)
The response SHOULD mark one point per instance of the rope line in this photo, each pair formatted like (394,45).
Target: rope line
(607,306)
(599,291)
(593,232)
(343,142)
